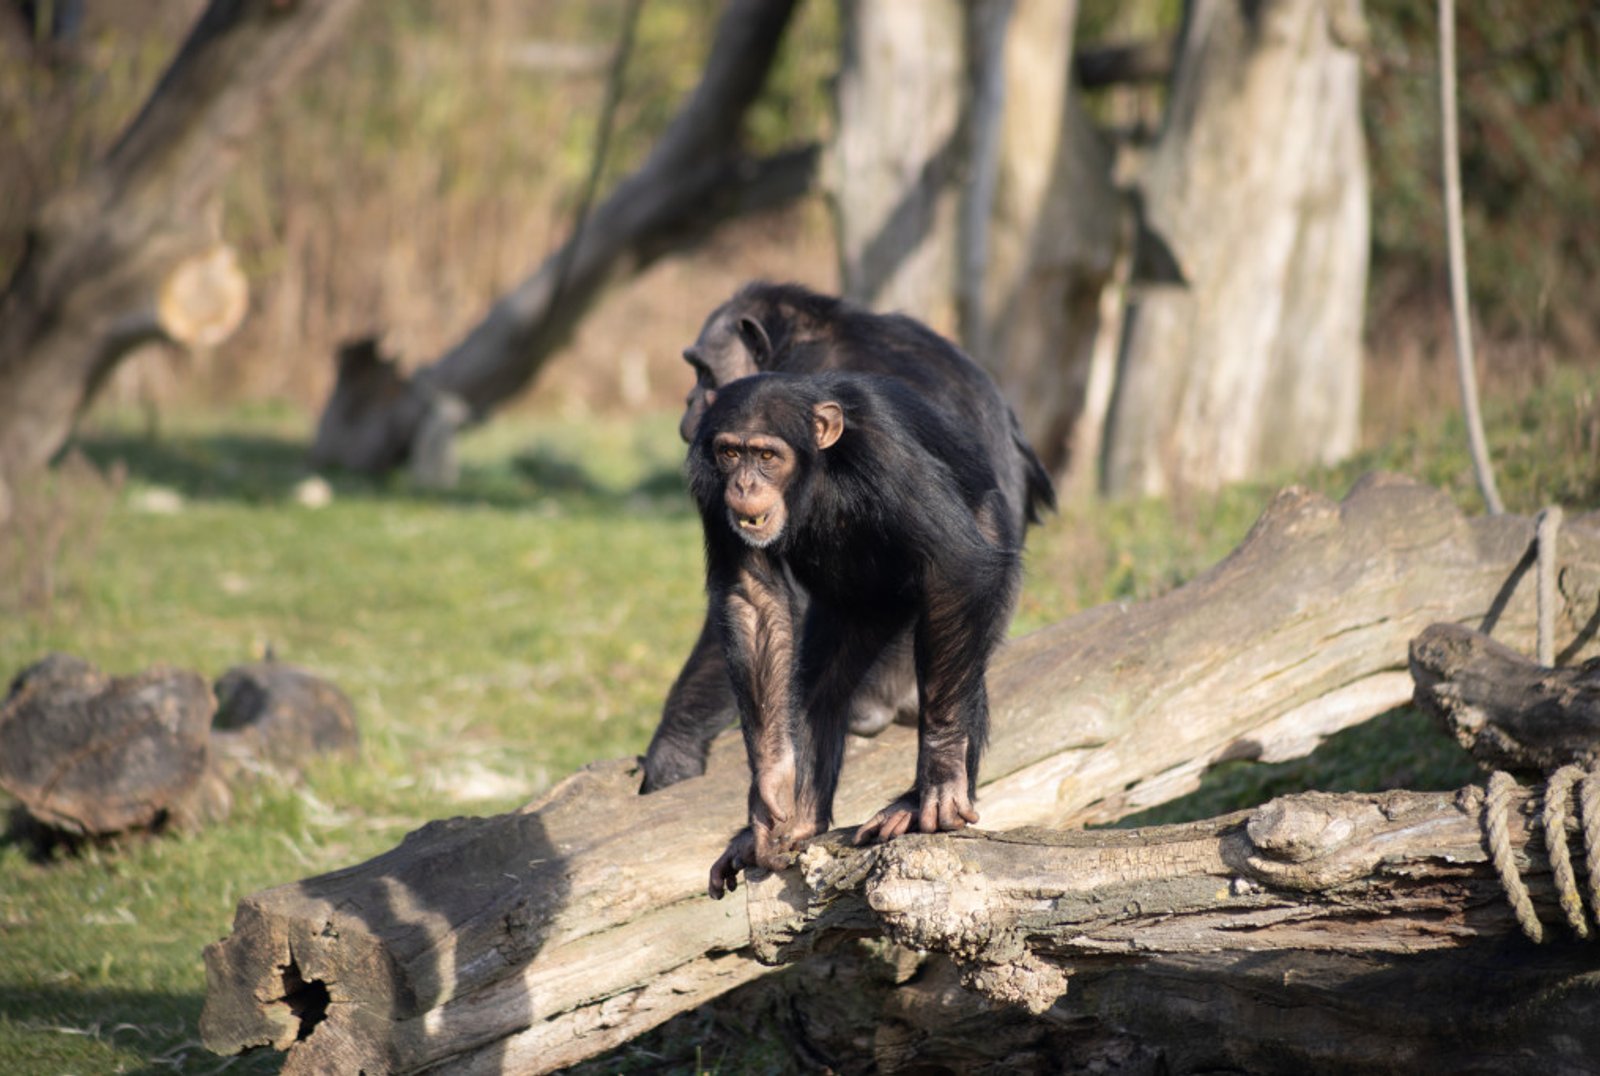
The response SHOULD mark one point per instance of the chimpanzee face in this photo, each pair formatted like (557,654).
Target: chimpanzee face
(756,470)
(757,467)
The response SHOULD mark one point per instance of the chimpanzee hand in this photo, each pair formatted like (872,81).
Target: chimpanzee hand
(931,807)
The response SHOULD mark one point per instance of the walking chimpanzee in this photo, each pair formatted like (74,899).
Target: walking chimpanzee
(789,328)
(842,512)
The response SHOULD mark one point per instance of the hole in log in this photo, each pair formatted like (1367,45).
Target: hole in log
(308,1002)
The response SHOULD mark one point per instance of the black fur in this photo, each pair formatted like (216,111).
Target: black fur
(788,328)
(900,526)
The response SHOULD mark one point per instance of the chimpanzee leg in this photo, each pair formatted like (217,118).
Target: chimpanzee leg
(837,654)
(959,628)
(699,706)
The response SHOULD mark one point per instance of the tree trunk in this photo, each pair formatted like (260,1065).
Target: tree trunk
(1258,187)
(132,251)
(695,176)
(535,939)
(896,153)
(1055,225)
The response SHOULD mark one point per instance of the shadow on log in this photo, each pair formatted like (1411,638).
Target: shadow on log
(532,940)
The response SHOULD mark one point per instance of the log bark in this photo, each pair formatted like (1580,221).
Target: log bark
(1510,712)
(1393,872)
(1255,365)
(536,939)
(696,175)
(1170,947)
(133,250)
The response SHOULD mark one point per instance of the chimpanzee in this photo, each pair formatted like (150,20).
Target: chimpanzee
(789,328)
(842,511)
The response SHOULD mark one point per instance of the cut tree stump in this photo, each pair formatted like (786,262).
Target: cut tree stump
(87,755)
(281,715)
(93,755)
(1510,712)
(532,940)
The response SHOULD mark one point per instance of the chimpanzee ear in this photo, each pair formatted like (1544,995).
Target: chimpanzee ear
(827,419)
(756,339)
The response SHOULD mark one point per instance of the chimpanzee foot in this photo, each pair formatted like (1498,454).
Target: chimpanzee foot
(937,808)
(770,849)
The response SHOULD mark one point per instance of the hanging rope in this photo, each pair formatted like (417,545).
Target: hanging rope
(1553,815)
(1547,530)
(1495,805)
(1589,802)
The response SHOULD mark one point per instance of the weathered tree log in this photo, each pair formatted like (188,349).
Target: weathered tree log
(1392,872)
(697,175)
(1340,896)
(532,940)
(90,755)
(1510,712)
(132,250)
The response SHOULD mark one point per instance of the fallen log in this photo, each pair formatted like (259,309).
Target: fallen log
(532,940)
(1510,712)
(1338,908)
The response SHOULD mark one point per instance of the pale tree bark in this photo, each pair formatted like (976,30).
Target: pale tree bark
(1258,187)
(896,155)
(535,939)
(1054,231)
(133,251)
(696,175)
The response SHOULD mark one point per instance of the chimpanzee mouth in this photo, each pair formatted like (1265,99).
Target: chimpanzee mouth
(753,522)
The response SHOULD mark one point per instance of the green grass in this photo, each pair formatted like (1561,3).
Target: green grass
(493,639)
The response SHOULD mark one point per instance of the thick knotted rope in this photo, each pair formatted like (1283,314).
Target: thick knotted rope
(1557,795)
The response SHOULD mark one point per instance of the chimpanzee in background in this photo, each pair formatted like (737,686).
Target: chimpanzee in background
(789,328)
(886,514)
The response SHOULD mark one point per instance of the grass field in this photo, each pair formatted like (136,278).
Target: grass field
(493,639)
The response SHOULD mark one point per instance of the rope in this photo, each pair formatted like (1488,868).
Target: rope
(1556,794)
(1548,527)
(1501,785)
(1589,801)
(1496,804)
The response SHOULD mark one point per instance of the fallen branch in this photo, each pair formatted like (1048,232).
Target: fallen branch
(1508,711)
(696,176)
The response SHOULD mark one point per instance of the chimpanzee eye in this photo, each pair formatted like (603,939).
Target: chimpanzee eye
(767,455)
(730,453)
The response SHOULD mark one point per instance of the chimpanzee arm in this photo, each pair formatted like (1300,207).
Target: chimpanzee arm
(699,706)
(757,610)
